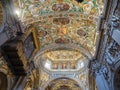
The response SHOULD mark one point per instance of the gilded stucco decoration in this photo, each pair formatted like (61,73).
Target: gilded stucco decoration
(44,77)
(4,66)
(62,22)
(1,13)
(61,55)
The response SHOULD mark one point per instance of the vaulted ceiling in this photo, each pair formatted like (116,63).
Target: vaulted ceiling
(62,24)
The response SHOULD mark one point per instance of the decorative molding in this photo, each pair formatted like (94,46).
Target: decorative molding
(112,53)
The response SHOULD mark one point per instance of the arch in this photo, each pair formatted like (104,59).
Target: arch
(51,82)
(71,46)
(55,78)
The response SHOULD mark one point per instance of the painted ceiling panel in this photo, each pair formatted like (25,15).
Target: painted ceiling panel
(61,55)
(62,22)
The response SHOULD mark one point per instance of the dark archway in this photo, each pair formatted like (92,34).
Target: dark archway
(3,81)
(117,80)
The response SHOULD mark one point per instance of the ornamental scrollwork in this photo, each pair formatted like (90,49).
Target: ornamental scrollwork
(4,66)
(94,67)
(116,9)
(98,68)
(114,20)
(105,71)
(114,50)
(112,24)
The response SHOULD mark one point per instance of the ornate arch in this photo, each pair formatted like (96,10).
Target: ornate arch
(71,46)
(57,78)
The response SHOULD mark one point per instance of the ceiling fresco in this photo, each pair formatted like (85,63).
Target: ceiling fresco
(61,55)
(62,22)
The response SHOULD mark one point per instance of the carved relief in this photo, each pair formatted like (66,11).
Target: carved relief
(29,84)
(116,11)
(105,71)
(3,65)
(115,17)
(114,50)
(1,62)
(6,77)
(115,21)
(94,65)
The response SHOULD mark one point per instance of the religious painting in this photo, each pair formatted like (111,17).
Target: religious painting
(81,33)
(64,66)
(60,7)
(73,65)
(55,65)
(61,21)
(62,40)
(42,33)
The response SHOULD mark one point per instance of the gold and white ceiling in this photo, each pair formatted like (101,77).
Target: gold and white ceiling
(61,22)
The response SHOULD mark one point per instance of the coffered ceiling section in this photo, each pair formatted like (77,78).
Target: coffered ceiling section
(62,21)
